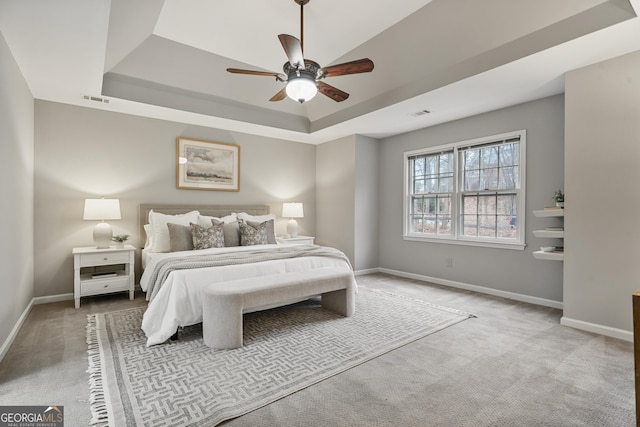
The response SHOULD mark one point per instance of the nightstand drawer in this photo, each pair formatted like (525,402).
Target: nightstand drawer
(104,286)
(299,240)
(88,260)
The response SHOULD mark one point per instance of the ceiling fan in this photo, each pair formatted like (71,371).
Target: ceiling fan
(303,76)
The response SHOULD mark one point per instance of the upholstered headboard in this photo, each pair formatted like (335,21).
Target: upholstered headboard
(208,210)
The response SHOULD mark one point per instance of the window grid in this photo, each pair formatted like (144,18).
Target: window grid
(490,180)
(489,215)
(432,184)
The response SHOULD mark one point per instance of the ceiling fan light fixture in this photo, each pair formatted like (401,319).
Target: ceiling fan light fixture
(304,77)
(301,88)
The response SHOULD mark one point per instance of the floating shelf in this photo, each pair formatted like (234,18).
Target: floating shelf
(550,256)
(554,234)
(549,234)
(540,213)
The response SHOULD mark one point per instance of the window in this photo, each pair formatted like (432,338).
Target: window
(471,192)
(432,191)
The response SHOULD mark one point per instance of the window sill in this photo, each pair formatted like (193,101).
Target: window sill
(495,245)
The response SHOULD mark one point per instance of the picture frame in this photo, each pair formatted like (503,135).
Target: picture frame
(207,165)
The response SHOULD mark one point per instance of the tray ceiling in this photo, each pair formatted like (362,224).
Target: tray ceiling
(454,58)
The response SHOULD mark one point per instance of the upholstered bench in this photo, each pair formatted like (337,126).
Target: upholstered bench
(223,305)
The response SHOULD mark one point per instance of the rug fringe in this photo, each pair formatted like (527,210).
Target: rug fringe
(97,401)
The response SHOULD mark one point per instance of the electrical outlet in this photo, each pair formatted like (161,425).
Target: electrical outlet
(449,262)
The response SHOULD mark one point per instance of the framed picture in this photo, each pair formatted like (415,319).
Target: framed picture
(206,165)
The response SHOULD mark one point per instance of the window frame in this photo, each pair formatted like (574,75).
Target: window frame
(517,243)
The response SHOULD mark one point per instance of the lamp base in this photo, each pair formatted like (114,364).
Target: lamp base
(102,235)
(292,227)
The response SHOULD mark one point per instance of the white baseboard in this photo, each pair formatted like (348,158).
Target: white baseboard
(14,332)
(481,289)
(53,298)
(367,271)
(597,329)
(565,321)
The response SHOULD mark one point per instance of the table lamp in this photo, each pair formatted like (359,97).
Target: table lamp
(101,210)
(292,210)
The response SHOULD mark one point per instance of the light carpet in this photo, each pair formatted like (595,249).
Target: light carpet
(185,383)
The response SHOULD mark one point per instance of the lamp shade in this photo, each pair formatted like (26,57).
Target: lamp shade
(292,210)
(101,209)
(301,88)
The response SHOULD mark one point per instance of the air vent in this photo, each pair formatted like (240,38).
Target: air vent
(96,99)
(420,113)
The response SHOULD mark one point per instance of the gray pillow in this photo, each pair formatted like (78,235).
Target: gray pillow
(231,232)
(207,237)
(271,232)
(180,238)
(250,235)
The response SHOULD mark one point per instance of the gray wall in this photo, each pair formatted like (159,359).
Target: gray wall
(16,191)
(335,183)
(603,193)
(500,269)
(366,203)
(84,153)
(347,198)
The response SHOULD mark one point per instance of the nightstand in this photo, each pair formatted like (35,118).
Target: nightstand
(99,271)
(298,240)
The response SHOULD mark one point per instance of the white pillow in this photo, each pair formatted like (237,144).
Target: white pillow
(256,218)
(205,221)
(160,241)
(147,233)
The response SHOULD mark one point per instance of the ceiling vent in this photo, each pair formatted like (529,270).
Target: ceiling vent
(421,113)
(96,99)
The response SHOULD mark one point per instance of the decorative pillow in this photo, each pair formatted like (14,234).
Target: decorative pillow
(271,230)
(160,231)
(180,238)
(207,237)
(250,235)
(231,232)
(147,233)
(271,235)
(205,221)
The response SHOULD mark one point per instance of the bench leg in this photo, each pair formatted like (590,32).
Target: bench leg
(341,302)
(222,324)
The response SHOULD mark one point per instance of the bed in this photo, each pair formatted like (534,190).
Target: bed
(174,277)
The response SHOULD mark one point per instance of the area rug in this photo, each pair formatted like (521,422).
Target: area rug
(186,383)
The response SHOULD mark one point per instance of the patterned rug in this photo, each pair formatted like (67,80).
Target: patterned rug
(185,383)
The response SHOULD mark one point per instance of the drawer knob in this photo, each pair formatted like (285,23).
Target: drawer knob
(106,286)
(105,258)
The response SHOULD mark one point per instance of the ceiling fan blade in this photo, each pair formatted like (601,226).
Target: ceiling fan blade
(293,49)
(278,76)
(364,65)
(332,92)
(280,95)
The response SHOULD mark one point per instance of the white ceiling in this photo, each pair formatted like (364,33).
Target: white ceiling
(167,59)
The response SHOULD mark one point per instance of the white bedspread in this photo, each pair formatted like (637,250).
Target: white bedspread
(179,300)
